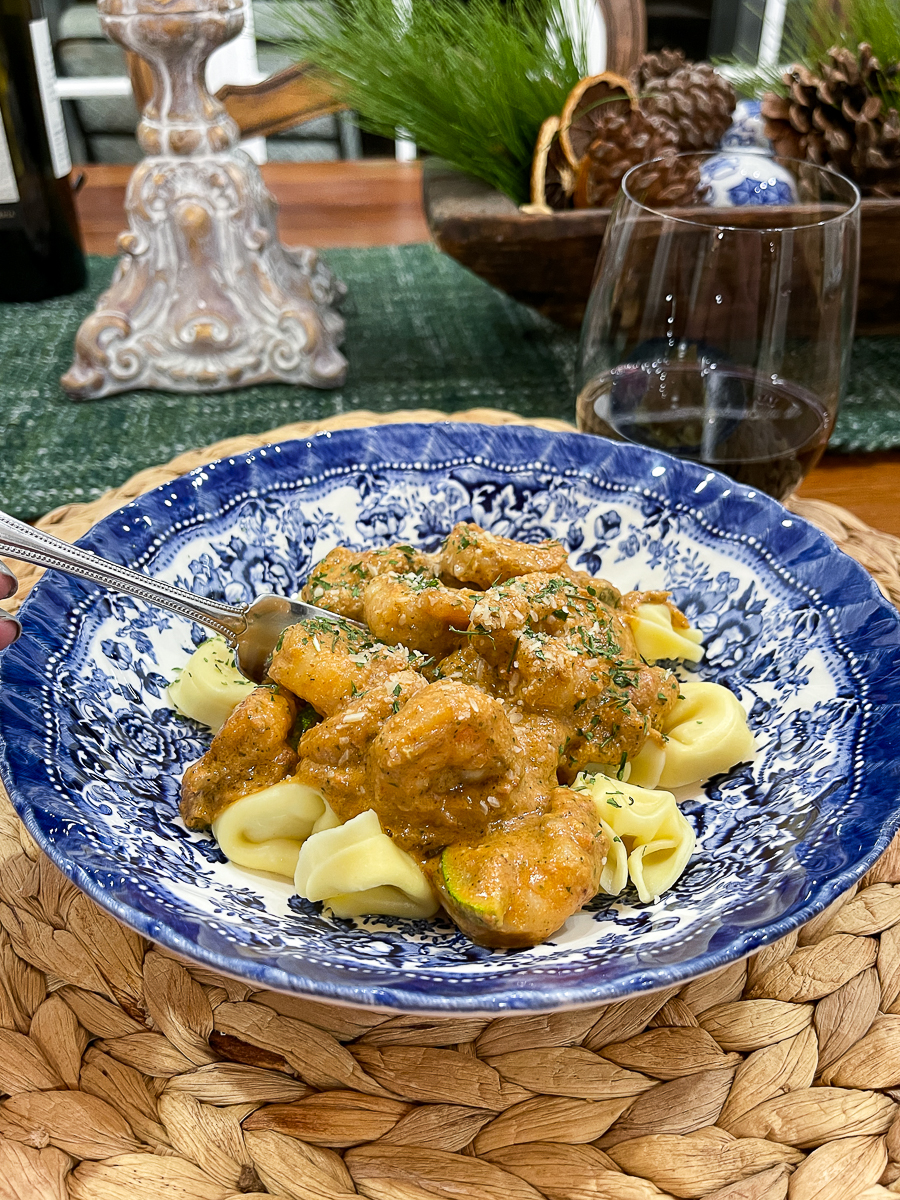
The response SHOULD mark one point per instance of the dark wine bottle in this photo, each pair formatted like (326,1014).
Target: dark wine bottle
(40,250)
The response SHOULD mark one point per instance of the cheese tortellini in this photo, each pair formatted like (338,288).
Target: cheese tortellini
(650,840)
(705,733)
(656,637)
(356,868)
(647,765)
(266,829)
(210,685)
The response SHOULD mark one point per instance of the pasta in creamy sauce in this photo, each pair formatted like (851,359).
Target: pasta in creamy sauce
(501,743)
(656,638)
(650,841)
(208,687)
(266,829)
(356,868)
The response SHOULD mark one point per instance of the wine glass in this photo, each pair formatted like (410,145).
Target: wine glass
(723,333)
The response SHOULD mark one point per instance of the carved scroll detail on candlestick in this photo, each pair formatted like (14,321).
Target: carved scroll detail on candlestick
(205,297)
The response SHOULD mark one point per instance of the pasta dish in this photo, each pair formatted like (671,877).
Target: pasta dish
(501,741)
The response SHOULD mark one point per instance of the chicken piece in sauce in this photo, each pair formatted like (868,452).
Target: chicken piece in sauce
(466,665)
(339,581)
(250,752)
(333,754)
(516,885)
(417,611)
(442,766)
(565,651)
(472,556)
(540,738)
(540,606)
(327,662)
(612,726)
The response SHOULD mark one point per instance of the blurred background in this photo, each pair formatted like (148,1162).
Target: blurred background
(101,115)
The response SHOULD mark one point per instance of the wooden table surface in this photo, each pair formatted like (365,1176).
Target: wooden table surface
(377,202)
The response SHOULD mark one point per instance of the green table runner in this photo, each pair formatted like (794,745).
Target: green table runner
(421,332)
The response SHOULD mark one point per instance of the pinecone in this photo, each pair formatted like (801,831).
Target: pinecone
(606,127)
(625,141)
(838,117)
(657,66)
(691,102)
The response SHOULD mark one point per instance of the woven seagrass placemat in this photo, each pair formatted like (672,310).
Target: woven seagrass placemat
(132,1075)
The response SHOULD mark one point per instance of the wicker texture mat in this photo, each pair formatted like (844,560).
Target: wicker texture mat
(131,1075)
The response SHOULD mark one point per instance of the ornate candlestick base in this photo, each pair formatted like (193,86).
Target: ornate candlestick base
(205,297)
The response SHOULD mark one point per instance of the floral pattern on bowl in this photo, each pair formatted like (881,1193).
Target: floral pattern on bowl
(93,752)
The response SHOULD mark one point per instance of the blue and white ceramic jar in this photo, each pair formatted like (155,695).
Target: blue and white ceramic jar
(736,179)
(744,173)
(748,129)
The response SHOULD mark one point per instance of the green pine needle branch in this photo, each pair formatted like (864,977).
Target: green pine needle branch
(813,27)
(469,81)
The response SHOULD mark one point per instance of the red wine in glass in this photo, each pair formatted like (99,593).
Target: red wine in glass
(722,333)
(762,431)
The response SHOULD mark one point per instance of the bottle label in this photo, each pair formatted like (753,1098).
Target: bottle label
(53,114)
(9,189)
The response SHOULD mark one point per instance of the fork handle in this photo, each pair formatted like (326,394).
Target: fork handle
(22,542)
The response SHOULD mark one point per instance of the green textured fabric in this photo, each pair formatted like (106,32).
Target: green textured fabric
(422,332)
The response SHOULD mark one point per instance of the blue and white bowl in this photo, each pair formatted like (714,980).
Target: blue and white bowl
(93,753)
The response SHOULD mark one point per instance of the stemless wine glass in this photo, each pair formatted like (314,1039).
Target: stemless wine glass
(723,333)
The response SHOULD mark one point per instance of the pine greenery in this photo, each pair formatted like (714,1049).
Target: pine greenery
(469,81)
(813,27)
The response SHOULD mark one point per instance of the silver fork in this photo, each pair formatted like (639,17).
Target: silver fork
(252,629)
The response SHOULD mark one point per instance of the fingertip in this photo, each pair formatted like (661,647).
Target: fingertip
(10,630)
(9,584)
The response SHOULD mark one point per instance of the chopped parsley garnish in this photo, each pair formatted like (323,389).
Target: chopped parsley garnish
(625,677)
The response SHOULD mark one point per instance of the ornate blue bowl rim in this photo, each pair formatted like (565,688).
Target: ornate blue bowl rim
(779,543)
